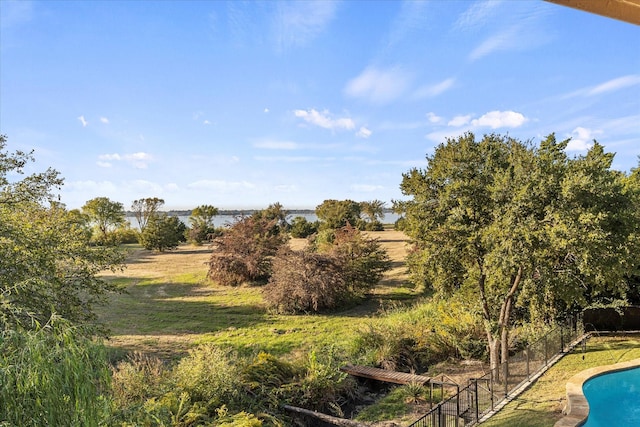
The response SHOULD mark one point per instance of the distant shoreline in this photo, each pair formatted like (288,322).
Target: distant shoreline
(238,212)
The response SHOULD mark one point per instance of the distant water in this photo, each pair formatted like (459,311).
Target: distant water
(222,220)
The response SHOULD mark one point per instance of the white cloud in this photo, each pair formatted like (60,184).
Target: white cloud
(459,121)
(615,84)
(114,156)
(324,120)
(433,118)
(139,160)
(297,23)
(435,90)
(104,120)
(276,145)
(581,139)
(379,86)
(83,121)
(90,186)
(266,110)
(172,187)
(206,122)
(104,164)
(500,119)
(363,133)
(221,185)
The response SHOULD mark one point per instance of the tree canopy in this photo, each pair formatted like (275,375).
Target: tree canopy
(518,225)
(105,214)
(47,264)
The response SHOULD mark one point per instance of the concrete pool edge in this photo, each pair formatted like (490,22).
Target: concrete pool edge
(577,408)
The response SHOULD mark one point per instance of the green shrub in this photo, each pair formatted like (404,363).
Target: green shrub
(301,228)
(138,379)
(52,376)
(208,374)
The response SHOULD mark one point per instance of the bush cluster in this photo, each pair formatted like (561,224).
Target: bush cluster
(341,266)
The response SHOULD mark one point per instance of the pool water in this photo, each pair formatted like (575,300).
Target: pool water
(614,399)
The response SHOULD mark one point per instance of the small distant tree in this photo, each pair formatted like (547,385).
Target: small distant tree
(162,232)
(106,215)
(275,212)
(144,209)
(334,214)
(244,251)
(202,225)
(301,228)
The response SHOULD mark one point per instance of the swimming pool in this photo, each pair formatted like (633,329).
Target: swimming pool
(614,399)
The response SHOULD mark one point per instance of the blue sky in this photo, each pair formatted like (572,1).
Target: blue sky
(243,104)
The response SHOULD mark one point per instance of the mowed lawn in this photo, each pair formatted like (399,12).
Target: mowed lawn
(168,306)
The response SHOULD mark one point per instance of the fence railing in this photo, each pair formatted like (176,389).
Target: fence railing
(483,395)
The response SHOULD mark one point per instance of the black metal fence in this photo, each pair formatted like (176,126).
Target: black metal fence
(483,395)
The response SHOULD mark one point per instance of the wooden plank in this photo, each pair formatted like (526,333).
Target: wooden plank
(385,375)
(343,422)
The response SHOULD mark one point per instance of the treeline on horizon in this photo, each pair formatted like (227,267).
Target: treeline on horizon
(239,212)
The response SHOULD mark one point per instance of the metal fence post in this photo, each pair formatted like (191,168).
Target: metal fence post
(475,403)
(546,350)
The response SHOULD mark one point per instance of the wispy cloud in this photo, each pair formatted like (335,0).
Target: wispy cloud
(324,119)
(412,16)
(379,86)
(83,121)
(500,119)
(138,160)
(615,84)
(297,23)
(519,26)
(286,159)
(104,120)
(430,91)
(477,15)
(504,40)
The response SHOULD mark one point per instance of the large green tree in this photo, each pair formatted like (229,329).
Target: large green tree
(105,214)
(517,224)
(47,264)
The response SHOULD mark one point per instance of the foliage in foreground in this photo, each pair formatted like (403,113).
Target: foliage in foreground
(214,387)
(48,262)
(52,376)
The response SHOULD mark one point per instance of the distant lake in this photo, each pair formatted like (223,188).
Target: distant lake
(222,220)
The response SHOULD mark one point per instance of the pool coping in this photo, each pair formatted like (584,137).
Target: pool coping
(577,408)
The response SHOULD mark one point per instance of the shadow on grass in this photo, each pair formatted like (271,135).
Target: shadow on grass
(173,308)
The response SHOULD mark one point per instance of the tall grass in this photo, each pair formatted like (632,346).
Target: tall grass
(52,376)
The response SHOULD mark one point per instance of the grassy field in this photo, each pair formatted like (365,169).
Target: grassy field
(169,305)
